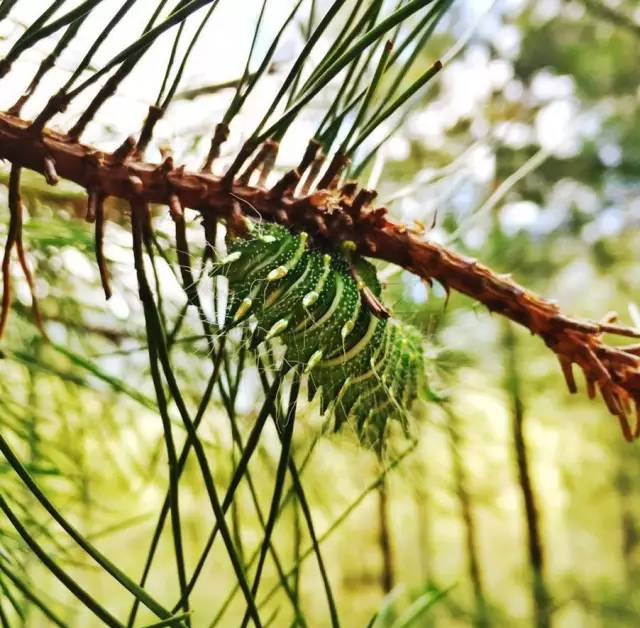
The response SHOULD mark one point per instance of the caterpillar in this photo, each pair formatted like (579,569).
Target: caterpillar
(324,306)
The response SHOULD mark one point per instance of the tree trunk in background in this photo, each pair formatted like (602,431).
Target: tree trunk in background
(629,526)
(421,497)
(541,598)
(386,577)
(481,619)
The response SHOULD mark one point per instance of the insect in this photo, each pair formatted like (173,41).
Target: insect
(365,366)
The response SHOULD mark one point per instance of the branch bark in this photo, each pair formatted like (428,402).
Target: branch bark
(334,216)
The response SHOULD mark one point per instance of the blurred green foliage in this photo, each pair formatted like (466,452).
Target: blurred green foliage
(81,412)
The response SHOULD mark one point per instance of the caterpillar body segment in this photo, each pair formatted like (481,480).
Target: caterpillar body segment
(260,258)
(365,368)
(285,300)
(359,386)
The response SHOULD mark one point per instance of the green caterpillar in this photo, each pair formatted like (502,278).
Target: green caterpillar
(318,303)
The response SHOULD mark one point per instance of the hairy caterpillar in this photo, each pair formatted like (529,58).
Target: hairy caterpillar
(321,305)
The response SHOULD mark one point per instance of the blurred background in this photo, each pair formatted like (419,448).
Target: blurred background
(520,501)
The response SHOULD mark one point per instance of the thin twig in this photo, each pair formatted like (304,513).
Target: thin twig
(99,241)
(14,238)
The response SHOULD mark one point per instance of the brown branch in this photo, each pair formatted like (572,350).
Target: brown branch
(333,216)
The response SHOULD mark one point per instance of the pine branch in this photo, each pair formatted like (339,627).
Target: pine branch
(336,215)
